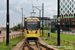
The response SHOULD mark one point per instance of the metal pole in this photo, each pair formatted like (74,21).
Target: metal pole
(50,29)
(7,23)
(62,24)
(39,13)
(23,19)
(22,16)
(58,35)
(20,26)
(69,24)
(42,17)
(13,26)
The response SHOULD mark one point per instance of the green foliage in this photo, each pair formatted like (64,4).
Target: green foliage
(40,28)
(64,36)
(53,29)
(15,28)
(46,45)
(46,27)
(22,27)
(52,41)
(12,43)
(11,28)
(18,27)
(4,28)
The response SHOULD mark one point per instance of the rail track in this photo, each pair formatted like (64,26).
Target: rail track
(34,45)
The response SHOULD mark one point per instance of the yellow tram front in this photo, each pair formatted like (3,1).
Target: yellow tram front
(32,28)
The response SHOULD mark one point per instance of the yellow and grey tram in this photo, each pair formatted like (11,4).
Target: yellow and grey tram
(32,28)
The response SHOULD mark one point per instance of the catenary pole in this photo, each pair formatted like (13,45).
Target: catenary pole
(42,17)
(22,16)
(58,32)
(7,25)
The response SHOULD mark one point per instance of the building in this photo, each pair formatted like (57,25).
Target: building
(67,14)
(51,21)
(66,20)
(67,7)
(46,21)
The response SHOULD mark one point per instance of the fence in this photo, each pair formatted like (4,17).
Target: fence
(10,37)
(65,41)
(64,29)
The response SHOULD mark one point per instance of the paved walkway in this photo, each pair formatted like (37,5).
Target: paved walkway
(68,32)
(3,33)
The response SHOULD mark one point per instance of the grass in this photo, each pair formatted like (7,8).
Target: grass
(64,36)
(12,43)
(52,41)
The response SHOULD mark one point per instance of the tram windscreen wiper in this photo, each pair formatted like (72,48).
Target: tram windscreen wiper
(32,26)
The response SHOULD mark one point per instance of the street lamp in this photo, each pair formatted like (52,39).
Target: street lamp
(22,16)
(42,17)
(23,19)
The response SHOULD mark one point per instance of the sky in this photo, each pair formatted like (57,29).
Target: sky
(15,12)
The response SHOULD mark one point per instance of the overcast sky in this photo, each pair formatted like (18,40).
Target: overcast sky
(50,9)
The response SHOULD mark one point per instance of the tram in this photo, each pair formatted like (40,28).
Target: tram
(32,28)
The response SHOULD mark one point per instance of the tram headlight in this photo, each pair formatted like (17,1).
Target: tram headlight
(27,32)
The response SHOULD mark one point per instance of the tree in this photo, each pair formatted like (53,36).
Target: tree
(15,28)
(46,27)
(4,28)
(18,26)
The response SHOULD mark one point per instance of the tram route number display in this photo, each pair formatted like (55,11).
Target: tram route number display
(32,23)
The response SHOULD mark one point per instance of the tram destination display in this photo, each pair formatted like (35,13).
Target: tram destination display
(31,21)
